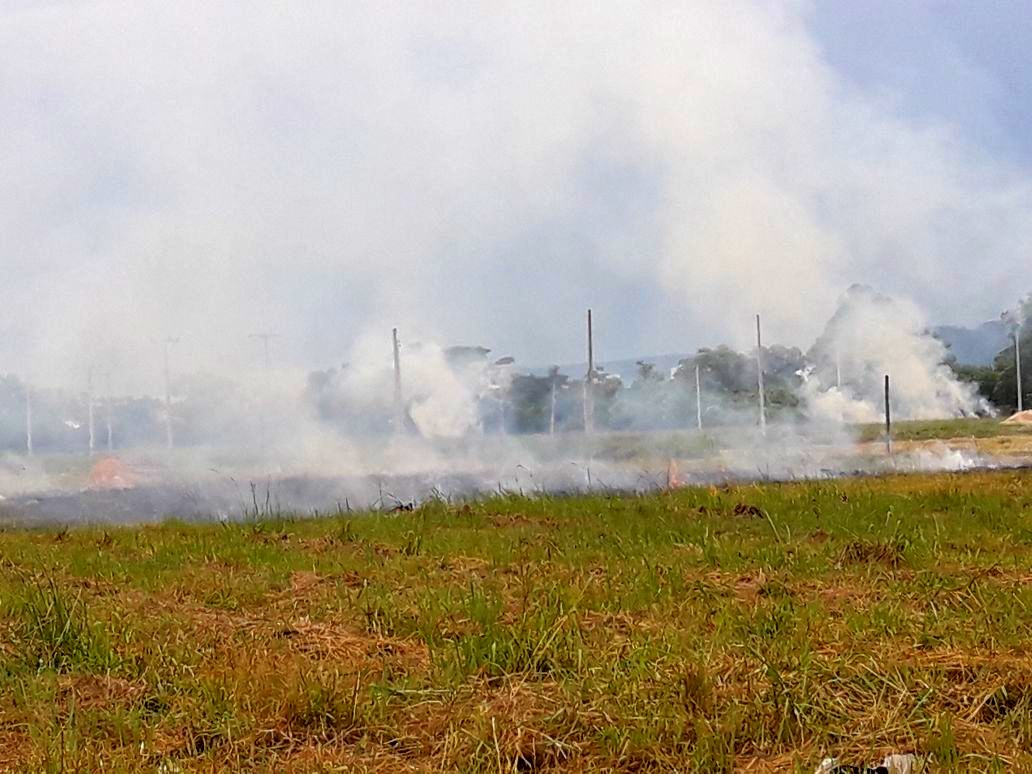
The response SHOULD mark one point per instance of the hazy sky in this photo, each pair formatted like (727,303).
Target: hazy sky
(482,172)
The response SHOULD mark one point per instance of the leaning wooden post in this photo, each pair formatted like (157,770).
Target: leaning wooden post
(888,419)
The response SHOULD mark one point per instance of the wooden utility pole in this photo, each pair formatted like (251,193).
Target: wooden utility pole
(108,400)
(399,409)
(759,376)
(28,419)
(551,413)
(89,410)
(698,396)
(888,418)
(589,383)
(267,363)
(267,360)
(1017,364)
(170,441)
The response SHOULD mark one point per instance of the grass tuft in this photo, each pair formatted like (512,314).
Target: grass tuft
(54,630)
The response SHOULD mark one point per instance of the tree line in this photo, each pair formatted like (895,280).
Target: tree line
(209,409)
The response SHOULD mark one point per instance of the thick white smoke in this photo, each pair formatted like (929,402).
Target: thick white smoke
(868,337)
(439,398)
(212,168)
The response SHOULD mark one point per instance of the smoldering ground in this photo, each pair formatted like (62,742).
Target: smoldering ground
(781,455)
(449,422)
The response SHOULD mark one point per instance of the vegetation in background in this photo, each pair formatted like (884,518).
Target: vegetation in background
(1005,394)
(210,409)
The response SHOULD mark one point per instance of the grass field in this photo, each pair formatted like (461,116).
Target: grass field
(923,430)
(692,444)
(749,628)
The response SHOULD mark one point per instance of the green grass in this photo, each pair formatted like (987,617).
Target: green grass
(53,631)
(657,446)
(705,629)
(931,429)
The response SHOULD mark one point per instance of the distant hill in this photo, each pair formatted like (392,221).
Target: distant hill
(974,346)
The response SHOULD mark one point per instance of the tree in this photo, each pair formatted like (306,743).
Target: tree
(1004,390)
(530,397)
(647,373)
(1004,387)
(647,404)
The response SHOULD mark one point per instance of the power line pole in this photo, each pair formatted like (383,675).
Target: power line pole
(888,419)
(28,419)
(759,376)
(589,383)
(1017,364)
(264,338)
(168,342)
(267,362)
(89,410)
(551,413)
(501,411)
(399,409)
(698,396)
(109,400)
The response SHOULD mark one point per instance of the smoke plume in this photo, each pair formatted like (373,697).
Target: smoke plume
(466,172)
(870,336)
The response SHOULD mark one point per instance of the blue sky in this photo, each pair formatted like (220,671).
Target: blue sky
(962,62)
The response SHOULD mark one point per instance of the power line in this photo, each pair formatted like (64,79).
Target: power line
(168,342)
(28,419)
(399,410)
(759,376)
(1017,364)
(589,382)
(264,338)
(89,411)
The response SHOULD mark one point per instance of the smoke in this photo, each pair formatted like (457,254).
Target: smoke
(19,475)
(439,400)
(327,171)
(870,336)
(479,173)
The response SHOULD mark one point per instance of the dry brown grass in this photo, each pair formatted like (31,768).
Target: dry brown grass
(639,634)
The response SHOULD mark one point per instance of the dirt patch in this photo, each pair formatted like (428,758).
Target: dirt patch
(519,520)
(303,755)
(509,520)
(111,473)
(748,511)
(840,597)
(304,581)
(886,553)
(13,746)
(330,640)
(623,624)
(92,691)
(748,587)
(818,536)
(465,565)
(1020,418)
